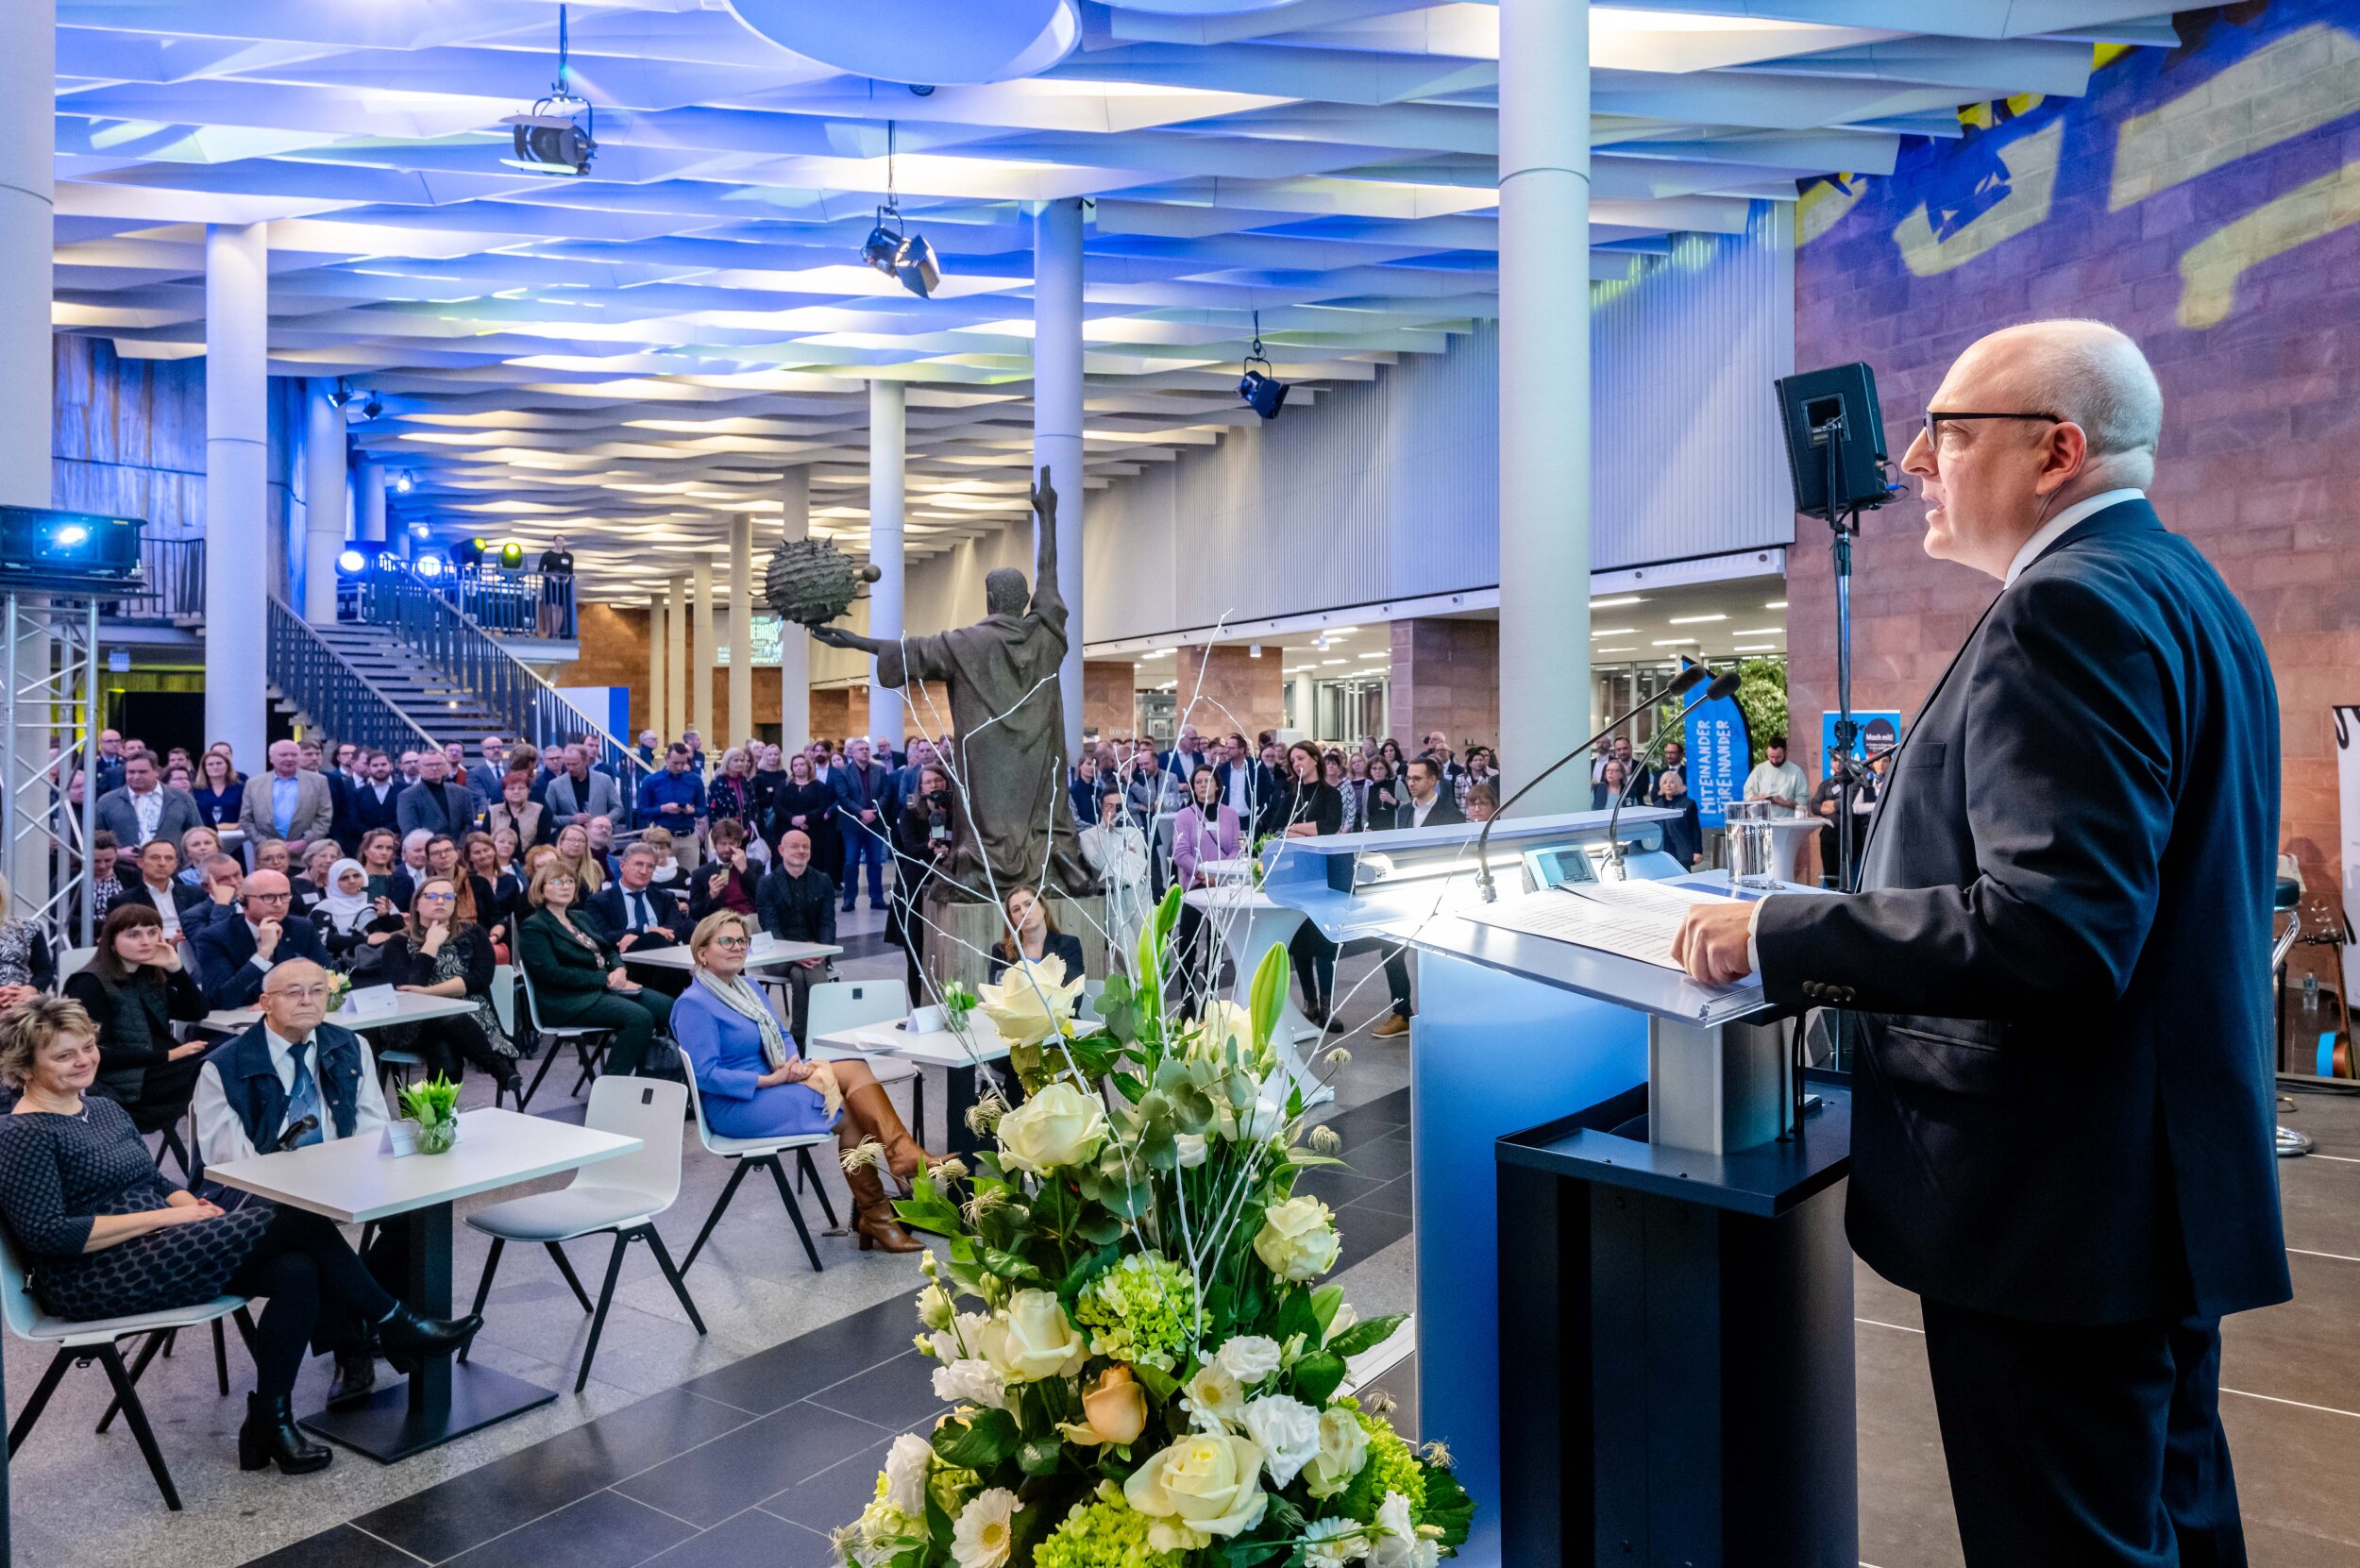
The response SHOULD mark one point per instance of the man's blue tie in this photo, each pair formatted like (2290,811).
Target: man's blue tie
(306,1099)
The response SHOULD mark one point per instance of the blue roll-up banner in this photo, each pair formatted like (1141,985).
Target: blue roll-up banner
(1720,754)
(1879,731)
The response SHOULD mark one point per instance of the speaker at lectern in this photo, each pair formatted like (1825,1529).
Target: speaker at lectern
(1634,1297)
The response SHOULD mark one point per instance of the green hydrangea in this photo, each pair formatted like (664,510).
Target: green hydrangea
(1105,1533)
(1142,1310)
(1391,1467)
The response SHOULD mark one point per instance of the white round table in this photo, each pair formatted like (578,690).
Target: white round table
(1254,925)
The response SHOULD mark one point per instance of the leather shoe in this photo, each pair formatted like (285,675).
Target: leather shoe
(270,1436)
(355,1379)
(409,1338)
(1392,1027)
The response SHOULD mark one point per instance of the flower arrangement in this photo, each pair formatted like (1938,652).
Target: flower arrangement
(434,1106)
(1144,1365)
(339,987)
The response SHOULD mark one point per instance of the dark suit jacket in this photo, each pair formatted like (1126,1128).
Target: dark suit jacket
(2061,1108)
(1059,944)
(447,808)
(119,816)
(189,902)
(225,952)
(340,823)
(568,979)
(663,907)
(1445,812)
(369,813)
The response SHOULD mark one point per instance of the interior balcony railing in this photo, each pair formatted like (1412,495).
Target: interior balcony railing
(337,698)
(446,637)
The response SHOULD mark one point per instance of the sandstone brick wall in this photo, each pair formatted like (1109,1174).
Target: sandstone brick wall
(2207,201)
(1446,677)
(1222,689)
(1109,697)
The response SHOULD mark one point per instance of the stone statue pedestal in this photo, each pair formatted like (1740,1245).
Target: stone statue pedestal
(960,932)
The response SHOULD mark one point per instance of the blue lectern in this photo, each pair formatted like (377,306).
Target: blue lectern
(1634,1296)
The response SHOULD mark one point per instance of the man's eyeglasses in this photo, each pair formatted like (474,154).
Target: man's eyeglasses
(1934,421)
(300,993)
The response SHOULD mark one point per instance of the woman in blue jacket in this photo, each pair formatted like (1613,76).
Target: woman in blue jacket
(752,1083)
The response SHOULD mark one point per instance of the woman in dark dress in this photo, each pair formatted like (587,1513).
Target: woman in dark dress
(1310,807)
(442,953)
(135,989)
(731,796)
(107,1237)
(1036,936)
(26,966)
(576,975)
(805,802)
(763,787)
(219,792)
(380,861)
(490,898)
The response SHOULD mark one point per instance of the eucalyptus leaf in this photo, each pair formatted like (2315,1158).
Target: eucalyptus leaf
(977,1443)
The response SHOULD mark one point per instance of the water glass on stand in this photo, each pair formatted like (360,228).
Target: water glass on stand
(1752,850)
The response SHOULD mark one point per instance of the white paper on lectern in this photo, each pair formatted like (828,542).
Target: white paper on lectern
(1633,920)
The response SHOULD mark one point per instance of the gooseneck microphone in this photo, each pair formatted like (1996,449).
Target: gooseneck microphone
(1724,684)
(1684,682)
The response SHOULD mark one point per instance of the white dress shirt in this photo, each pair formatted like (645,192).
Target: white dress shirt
(2046,535)
(2050,531)
(149,808)
(166,911)
(221,1136)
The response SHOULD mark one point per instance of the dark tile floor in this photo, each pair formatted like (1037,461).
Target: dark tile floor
(755,1461)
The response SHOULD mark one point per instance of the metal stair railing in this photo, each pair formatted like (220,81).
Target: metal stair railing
(338,700)
(447,638)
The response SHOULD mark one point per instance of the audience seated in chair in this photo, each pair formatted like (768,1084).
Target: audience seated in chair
(578,975)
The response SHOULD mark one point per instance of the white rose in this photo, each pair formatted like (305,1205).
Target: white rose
(970,1382)
(1032,1001)
(1333,1542)
(1398,1543)
(1193,1148)
(1249,1358)
(1346,1317)
(983,1533)
(1033,1339)
(1223,1021)
(1298,1239)
(1062,1125)
(1344,1449)
(1288,1432)
(934,1309)
(1213,1397)
(908,1465)
(1207,1484)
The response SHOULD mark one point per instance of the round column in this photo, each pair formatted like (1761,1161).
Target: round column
(676,658)
(1544,395)
(656,683)
(369,506)
(740,722)
(889,457)
(701,662)
(1058,420)
(237,451)
(795,644)
(322,501)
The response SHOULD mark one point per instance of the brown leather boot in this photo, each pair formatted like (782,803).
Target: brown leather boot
(872,1215)
(872,1110)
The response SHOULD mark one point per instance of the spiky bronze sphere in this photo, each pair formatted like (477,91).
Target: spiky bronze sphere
(812,583)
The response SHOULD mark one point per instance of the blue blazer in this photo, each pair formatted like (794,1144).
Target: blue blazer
(225,957)
(2063,1100)
(724,1050)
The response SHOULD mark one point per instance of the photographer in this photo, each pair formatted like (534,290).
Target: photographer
(921,840)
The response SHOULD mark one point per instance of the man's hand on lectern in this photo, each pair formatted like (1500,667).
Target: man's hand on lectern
(1710,942)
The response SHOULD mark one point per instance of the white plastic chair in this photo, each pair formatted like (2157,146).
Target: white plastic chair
(581,1037)
(72,962)
(80,1342)
(842,1004)
(622,1195)
(748,1153)
(504,997)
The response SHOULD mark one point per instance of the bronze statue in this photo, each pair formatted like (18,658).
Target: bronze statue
(1011,813)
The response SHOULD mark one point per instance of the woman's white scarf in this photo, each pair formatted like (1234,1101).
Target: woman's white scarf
(743,999)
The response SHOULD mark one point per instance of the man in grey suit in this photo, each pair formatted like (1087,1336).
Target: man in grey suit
(145,809)
(582,792)
(286,803)
(434,802)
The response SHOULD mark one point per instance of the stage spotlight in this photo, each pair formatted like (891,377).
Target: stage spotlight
(468,552)
(555,138)
(512,556)
(403,483)
(905,258)
(420,530)
(429,566)
(1264,393)
(351,563)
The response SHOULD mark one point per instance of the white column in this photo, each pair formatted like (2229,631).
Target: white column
(369,509)
(656,681)
(795,644)
(675,659)
(322,501)
(888,454)
(1545,394)
(237,450)
(28,53)
(1057,419)
(740,722)
(1306,709)
(701,662)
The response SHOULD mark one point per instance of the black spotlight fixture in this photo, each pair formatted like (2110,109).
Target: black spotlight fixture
(556,136)
(905,258)
(468,552)
(512,556)
(1264,393)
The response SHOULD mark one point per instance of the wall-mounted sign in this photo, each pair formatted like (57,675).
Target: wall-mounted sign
(769,640)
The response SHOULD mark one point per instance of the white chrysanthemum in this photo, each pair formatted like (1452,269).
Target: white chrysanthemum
(908,1465)
(1398,1543)
(1287,1431)
(973,1381)
(986,1529)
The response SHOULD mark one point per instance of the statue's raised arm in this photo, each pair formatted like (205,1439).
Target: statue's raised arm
(1048,602)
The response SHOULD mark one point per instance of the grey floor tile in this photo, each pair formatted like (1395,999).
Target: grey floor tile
(747,1539)
(342,1547)
(603,1531)
(835,1496)
(897,1394)
(761,1460)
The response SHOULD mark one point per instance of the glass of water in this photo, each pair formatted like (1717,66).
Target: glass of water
(1751,860)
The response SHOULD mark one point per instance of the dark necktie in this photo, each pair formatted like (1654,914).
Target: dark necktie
(304,1100)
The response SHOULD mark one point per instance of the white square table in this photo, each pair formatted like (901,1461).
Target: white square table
(409,1007)
(767,953)
(934,1047)
(350,1181)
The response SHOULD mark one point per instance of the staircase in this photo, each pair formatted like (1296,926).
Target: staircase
(431,699)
